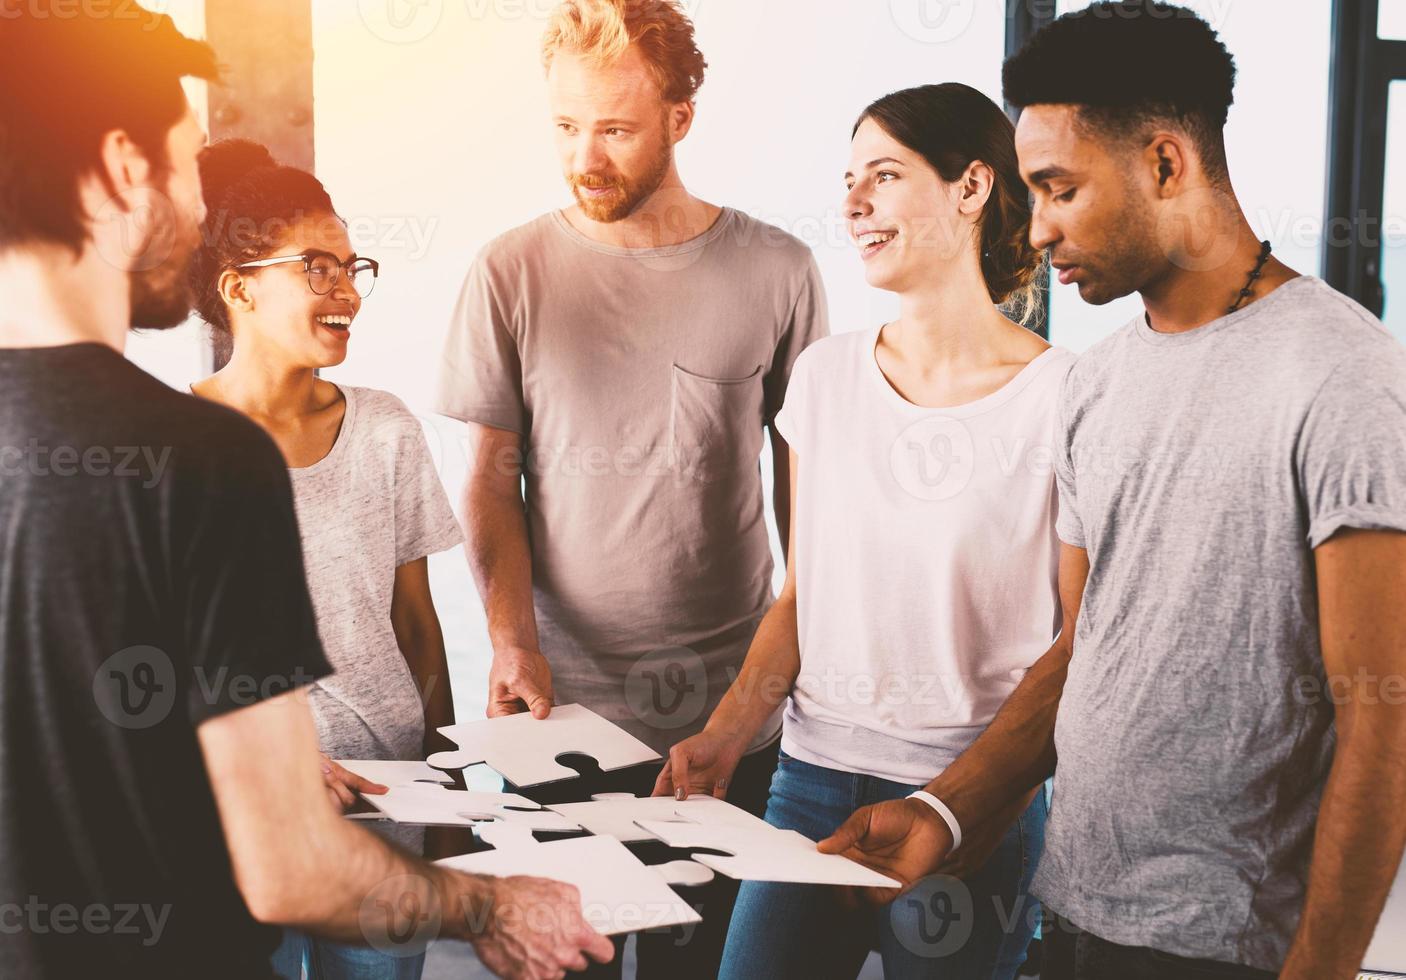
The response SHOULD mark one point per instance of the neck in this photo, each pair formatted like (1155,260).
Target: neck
(1187,297)
(949,319)
(669,216)
(261,384)
(50,299)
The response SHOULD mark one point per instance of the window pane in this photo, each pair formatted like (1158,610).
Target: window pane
(1282,83)
(1391,20)
(1394,212)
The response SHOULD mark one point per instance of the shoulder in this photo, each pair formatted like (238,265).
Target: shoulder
(1326,325)
(772,248)
(835,353)
(380,415)
(510,248)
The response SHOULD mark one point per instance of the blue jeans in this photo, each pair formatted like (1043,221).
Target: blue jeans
(974,929)
(302,955)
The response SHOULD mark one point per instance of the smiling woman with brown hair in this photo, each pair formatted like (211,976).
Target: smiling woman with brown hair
(921,575)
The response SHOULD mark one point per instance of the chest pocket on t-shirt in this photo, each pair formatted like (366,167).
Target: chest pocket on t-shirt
(715,425)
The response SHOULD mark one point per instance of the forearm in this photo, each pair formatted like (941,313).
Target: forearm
(1016,752)
(769,672)
(429,665)
(1357,846)
(357,886)
(501,561)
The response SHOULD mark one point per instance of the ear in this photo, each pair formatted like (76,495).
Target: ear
(1168,158)
(680,120)
(234,291)
(974,188)
(122,169)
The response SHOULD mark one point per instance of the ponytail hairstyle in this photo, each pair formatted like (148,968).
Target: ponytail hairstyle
(251,203)
(950,126)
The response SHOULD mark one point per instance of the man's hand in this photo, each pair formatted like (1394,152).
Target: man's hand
(903,839)
(519,680)
(343,785)
(535,931)
(701,764)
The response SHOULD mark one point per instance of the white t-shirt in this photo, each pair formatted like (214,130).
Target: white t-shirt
(927,559)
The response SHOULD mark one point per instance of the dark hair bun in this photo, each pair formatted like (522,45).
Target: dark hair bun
(225,163)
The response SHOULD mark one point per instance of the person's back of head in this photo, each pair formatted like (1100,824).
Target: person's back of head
(72,78)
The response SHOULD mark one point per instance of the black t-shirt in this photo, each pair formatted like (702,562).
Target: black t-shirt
(150,578)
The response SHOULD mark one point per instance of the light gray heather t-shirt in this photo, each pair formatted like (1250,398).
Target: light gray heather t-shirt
(642,380)
(1200,470)
(374,503)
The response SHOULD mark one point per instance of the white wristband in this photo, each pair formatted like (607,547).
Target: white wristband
(943,811)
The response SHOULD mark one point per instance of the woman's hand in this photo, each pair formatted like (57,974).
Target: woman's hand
(343,785)
(701,764)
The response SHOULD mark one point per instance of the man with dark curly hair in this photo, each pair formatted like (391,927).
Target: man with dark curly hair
(1224,698)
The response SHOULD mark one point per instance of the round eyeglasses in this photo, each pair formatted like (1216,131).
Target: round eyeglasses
(324,270)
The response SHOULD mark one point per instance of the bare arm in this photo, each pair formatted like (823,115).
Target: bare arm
(705,762)
(988,783)
(297,863)
(421,642)
(1362,819)
(495,525)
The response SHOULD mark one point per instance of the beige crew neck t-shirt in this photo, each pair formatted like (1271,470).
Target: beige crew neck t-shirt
(642,381)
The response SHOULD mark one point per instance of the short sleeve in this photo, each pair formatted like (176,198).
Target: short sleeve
(1068,525)
(424,520)
(790,421)
(1351,452)
(481,373)
(250,628)
(809,322)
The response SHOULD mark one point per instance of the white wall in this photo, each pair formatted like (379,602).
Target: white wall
(433,136)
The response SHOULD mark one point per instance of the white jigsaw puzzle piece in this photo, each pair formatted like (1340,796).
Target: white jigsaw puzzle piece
(389,773)
(440,806)
(524,749)
(618,815)
(619,893)
(393,773)
(766,854)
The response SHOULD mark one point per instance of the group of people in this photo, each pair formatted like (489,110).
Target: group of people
(1165,574)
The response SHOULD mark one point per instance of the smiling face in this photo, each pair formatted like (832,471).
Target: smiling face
(614,132)
(275,308)
(901,214)
(1093,205)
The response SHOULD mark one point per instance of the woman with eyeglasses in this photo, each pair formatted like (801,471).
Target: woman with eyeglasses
(278,281)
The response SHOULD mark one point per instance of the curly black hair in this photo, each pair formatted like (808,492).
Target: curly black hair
(1128,65)
(251,203)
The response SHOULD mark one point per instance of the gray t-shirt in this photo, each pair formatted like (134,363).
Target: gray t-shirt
(372,504)
(1200,470)
(641,380)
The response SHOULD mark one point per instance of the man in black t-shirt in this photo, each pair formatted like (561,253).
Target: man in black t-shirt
(160,796)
